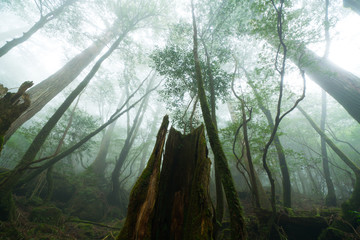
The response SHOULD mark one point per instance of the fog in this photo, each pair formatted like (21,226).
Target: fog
(275,85)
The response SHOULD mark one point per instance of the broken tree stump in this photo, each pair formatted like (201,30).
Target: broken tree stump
(12,105)
(183,208)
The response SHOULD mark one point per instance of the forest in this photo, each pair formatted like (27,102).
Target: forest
(179,120)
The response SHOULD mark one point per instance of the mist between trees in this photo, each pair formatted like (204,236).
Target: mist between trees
(264,97)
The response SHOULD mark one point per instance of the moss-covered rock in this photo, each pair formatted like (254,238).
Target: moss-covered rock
(46,214)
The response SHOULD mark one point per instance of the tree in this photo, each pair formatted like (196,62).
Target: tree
(47,89)
(14,176)
(236,219)
(114,195)
(42,6)
(342,85)
(353,203)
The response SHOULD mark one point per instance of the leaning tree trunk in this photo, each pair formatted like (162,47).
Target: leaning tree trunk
(237,222)
(353,203)
(11,180)
(342,85)
(47,89)
(175,204)
(38,25)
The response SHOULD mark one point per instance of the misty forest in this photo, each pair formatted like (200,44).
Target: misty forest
(179,120)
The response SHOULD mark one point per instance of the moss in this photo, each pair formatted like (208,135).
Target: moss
(8,231)
(49,215)
(332,234)
(7,206)
(88,203)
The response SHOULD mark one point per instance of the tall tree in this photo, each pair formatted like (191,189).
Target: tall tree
(47,89)
(286,183)
(238,230)
(114,195)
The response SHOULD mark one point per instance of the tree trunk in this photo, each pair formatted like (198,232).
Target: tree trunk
(218,185)
(342,85)
(254,187)
(14,176)
(114,195)
(353,204)
(330,199)
(38,25)
(286,183)
(144,193)
(47,89)
(237,222)
(99,164)
(183,208)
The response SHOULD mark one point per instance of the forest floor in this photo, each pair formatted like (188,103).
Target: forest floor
(38,221)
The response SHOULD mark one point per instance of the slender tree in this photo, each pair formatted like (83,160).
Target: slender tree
(114,195)
(238,230)
(353,203)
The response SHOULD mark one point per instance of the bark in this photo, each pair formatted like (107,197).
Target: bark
(12,105)
(236,217)
(99,165)
(342,85)
(13,178)
(218,185)
(47,89)
(183,208)
(330,199)
(38,25)
(353,204)
(144,193)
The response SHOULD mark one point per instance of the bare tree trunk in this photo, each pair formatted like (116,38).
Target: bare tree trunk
(342,85)
(8,183)
(353,204)
(47,89)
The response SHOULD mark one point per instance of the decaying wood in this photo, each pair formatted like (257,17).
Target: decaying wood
(143,195)
(12,105)
(174,204)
